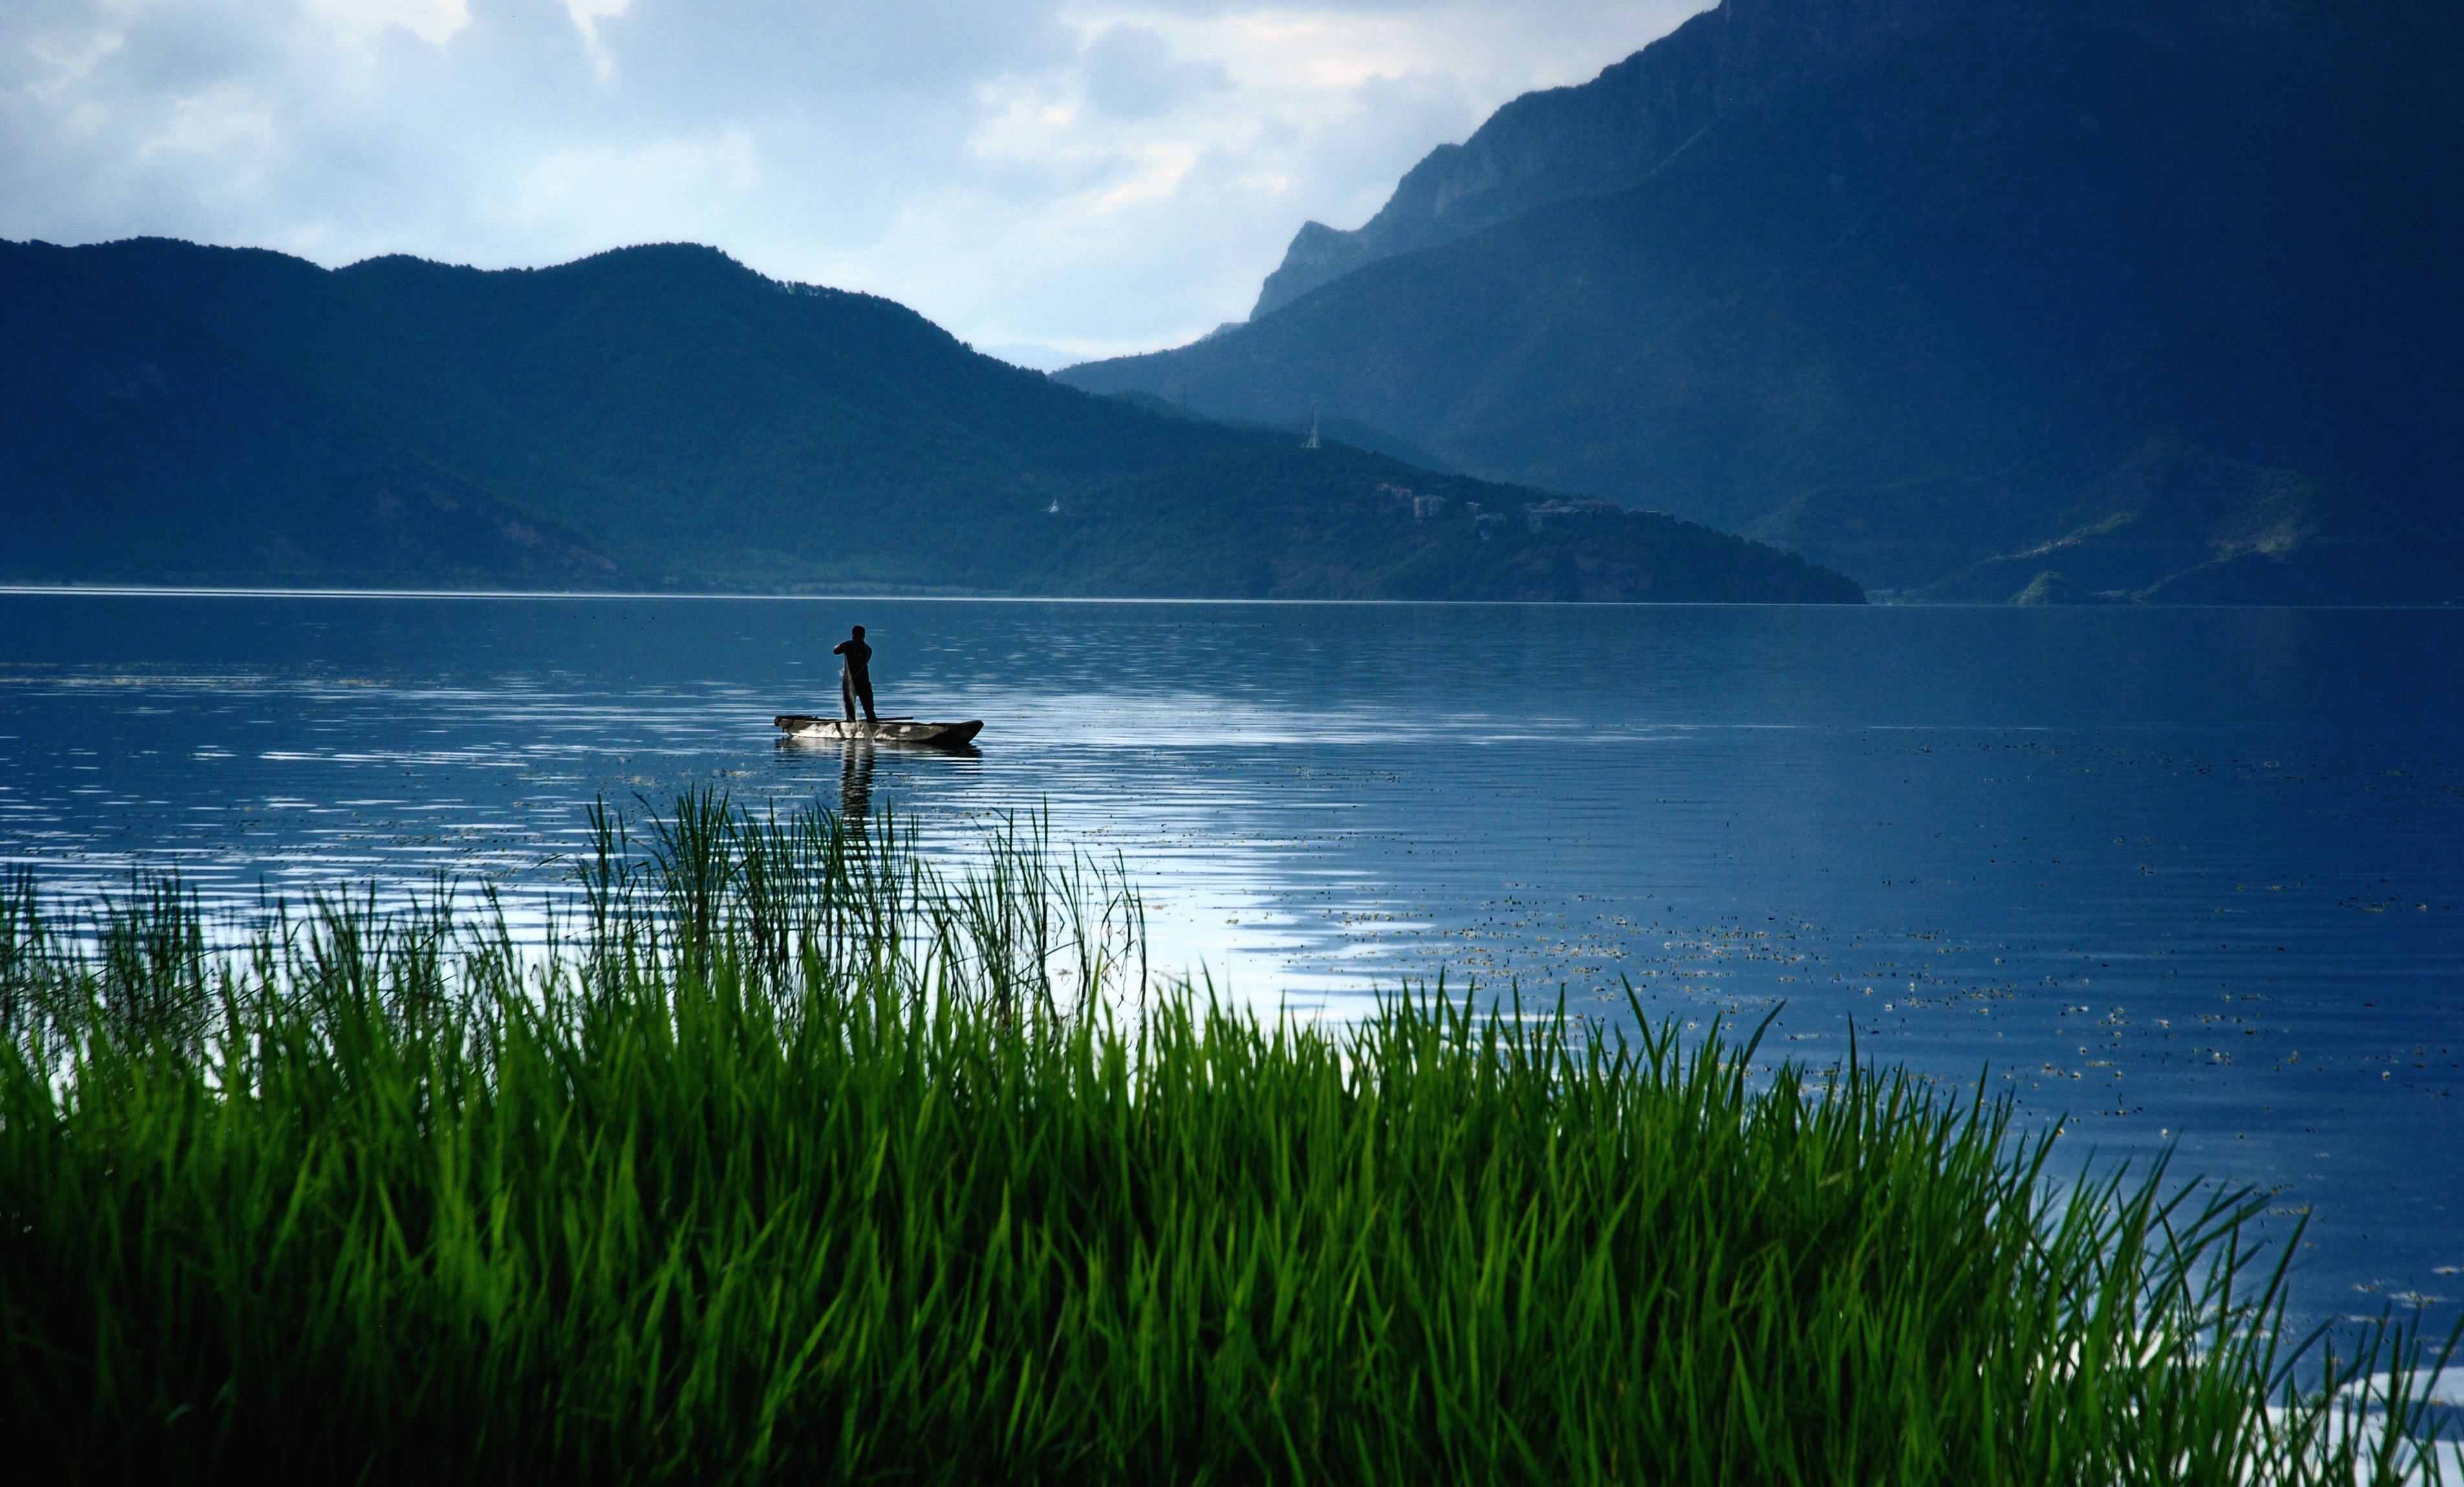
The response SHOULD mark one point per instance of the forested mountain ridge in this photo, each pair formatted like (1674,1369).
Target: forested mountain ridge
(663,416)
(2151,299)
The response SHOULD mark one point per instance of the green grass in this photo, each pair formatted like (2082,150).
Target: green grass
(799,1161)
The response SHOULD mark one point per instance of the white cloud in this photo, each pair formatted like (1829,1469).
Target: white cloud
(226,129)
(1079,174)
(596,197)
(60,60)
(432,21)
(586,16)
(1131,72)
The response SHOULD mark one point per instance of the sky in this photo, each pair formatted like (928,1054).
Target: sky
(1049,179)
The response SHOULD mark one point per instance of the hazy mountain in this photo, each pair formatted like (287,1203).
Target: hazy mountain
(2154,295)
(1034,356)
(664,417)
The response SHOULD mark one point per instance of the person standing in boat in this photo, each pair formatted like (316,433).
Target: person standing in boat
(855,675)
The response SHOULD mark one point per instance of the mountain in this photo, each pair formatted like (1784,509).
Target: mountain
(135,447)
(2151,298)
(1348,431)
(663,416)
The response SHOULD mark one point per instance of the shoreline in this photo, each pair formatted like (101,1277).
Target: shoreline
(893,596)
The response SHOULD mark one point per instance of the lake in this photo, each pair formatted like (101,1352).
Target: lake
(2191,879)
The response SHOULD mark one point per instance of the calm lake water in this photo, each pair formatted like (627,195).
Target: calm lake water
(2189,878)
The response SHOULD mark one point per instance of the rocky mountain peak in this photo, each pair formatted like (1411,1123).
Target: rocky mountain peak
(1613,132)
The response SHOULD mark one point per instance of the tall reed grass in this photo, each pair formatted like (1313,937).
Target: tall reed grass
(793,1159)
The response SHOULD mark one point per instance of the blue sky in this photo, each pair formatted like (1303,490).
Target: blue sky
(1088,177)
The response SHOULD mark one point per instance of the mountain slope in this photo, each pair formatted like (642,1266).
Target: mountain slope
(1931,285)
(664,417)
(1604,136)
(136,449)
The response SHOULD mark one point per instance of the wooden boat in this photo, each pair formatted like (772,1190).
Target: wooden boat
(804,727)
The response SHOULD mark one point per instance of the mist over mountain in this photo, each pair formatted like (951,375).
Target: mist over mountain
(664,417)
(2148,300)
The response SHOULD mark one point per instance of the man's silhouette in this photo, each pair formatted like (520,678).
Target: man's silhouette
(855,675)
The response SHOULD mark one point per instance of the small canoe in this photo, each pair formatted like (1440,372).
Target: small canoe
(896,730)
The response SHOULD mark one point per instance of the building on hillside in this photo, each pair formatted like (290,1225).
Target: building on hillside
(1544,514)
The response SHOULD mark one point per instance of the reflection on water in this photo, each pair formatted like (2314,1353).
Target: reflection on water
(2187,877)
(855,781)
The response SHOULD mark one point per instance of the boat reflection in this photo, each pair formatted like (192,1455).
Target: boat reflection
(859,760)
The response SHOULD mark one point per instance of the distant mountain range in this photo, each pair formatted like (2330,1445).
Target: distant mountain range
(664,418)
(1975,300)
